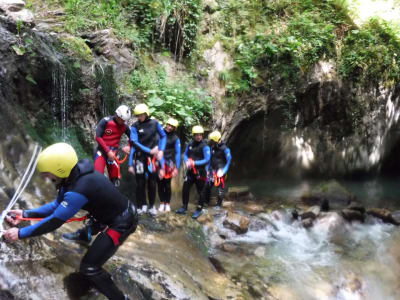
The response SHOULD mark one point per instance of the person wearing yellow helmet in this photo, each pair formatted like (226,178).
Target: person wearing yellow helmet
(80,187)
(196,158)
(148,139)
(171,162)
(219,164)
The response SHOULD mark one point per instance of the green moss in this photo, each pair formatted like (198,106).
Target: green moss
(77,47)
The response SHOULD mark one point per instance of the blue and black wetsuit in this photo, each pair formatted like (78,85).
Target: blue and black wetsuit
(171,160)
(89,190)
(199,152)
(144,137)
(220,159)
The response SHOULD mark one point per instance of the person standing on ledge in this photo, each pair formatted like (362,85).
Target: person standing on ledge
(196,158)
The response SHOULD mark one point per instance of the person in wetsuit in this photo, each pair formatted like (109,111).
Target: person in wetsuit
(219,164)
(108,136)
(80,186)
(196,158)
(148,139)
(171,163)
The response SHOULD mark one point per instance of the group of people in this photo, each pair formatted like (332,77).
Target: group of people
(154,158)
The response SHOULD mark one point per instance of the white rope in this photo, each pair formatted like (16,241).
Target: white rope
(22,185)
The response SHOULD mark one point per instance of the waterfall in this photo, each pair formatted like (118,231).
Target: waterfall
(61,97)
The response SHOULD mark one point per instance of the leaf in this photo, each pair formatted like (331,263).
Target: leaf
(18,50)
(156,101)
(77,65)
(30,79)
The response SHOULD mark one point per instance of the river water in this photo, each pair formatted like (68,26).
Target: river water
(334,260)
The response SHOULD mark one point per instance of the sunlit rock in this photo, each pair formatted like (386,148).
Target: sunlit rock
(236,222)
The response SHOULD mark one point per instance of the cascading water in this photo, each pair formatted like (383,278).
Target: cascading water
(333,260)
(61,97)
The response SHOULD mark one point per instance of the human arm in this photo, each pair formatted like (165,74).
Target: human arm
(135,141)
(228,157)
(178,153)
(72,202)
(206,159)
(100,129)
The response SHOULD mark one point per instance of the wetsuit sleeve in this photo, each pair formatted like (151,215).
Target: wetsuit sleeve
(131,156)
(135,140)
(228,160)
(42,211)
(163,137)
(101,127)
(185,157)
(178,153)
(71,204)
(206,159)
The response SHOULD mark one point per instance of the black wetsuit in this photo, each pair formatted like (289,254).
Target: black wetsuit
(199,152)
(171,160)
(220,160)
(89,190)
(145,136)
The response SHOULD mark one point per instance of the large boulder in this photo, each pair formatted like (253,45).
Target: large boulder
(236,222)
(329,195)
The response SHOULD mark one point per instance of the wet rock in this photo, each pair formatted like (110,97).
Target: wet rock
(396,217)
(253,207)
(332,224)
(259,252)
(205,219)
(311,213)
(356,206)
(239,193)
(104,43)
(381,213)
(352,215)
(329,196)
(307,223)
(12,5)
(237,223)
(217,264)
(229,248)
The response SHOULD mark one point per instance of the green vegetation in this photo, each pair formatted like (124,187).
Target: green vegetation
(371,54)
(145,23)
(167,98)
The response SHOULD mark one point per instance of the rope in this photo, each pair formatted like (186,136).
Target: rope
(22,185)
(39,219)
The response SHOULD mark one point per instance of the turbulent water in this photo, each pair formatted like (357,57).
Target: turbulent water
(333,260)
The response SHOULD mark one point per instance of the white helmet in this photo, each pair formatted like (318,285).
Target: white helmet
(123,112)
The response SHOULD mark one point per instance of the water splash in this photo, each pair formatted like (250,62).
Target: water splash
(333,260)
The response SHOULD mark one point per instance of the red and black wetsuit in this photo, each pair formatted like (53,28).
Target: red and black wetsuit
(108,136)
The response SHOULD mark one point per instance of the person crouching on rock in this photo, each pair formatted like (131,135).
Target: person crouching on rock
(81,187)
(171,163)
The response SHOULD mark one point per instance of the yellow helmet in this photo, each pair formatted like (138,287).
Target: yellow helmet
(215,136)
(141,109)
(57,159)
(197,129)
(172,122)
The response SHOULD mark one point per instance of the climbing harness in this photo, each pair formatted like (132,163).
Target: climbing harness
(118,163)
(22,185)
(151,164)
(218,180)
